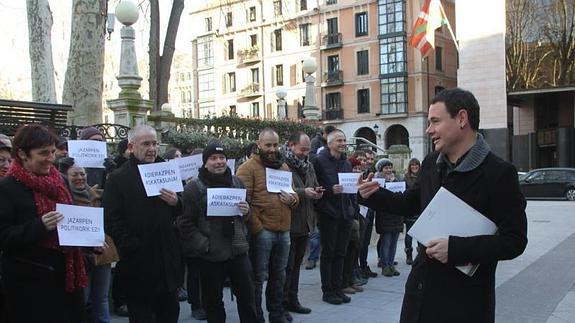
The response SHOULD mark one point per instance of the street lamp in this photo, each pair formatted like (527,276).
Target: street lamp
(128,79)
(127,12)
(376,130)
(310,110)
(281,93)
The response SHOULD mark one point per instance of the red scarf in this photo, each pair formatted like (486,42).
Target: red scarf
(49,190)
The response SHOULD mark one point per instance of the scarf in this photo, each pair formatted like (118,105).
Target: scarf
(294,162)
(83,194)
(471,159)
(216,180)
(49,190)
(271,163)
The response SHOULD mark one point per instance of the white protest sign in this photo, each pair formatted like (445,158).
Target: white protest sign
(190,166)
(156,176)
(380,180)
(278,180)
(232,165)
(82,226)
(349,182)
(88,153)
(224,201)
(363,210)
(395,186)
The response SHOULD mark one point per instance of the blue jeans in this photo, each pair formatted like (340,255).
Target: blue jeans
(96,292)
(388,247)
(314,245)
(271,252)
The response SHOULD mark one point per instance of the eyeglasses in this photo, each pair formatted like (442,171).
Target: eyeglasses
(5,160)
(78,174)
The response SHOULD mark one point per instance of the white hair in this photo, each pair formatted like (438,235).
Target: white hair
(331,136)
(138,131)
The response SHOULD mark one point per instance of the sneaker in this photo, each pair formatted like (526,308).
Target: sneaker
(367,271)
(332,298)
(121,310)
(387,271)
(348,290)
(359,281)
(296,307)
(358,289)
(395,272)
(199,314)
(344,298)
(310,264)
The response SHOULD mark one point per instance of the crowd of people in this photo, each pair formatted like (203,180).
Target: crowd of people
(153,241)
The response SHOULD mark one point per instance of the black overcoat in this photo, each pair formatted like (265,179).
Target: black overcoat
(143,229)
(436,292)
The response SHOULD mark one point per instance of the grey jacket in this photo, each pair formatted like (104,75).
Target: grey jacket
(203,236)
(304,218)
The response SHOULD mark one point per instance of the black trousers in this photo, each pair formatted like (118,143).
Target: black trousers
(193,283)
(335,234)
(213,274)
(154,307)
(118,285)
(349,263)
(296,253)
(366,238)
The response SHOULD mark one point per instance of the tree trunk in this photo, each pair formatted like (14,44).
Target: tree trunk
(85,70)
(40,48)
(154,51)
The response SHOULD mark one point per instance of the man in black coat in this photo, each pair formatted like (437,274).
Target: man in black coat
(143,229)
(436,291)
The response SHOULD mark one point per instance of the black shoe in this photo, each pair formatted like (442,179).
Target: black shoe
(199,314)
(367,271)
(121,310)
(344,298)
(288,316)
(297,308)
(310,264)
(332,298)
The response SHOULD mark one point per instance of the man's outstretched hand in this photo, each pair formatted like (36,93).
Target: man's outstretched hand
(366,187)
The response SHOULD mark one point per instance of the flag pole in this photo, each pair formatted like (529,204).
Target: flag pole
(449,27)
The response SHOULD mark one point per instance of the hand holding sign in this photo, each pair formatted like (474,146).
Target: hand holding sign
(157,176)
(278,180)
(226,202)
(169,197)
(81,226)
(349,182)
(51,219)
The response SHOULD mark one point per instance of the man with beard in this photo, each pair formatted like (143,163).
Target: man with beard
(303,217)
(269,224)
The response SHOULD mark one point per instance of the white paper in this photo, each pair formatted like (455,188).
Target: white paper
(82,226)
(380,180)
(156,176)
(349,182)
(447,215)
(278,180)
(190,166)
(224,201)
(363,210)
(232,165)
(397,187)
(88,153)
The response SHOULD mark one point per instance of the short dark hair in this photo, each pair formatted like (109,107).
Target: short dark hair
(295,137)
(457,99)
(369,151)
(329,128)
(32,136)
(358,153)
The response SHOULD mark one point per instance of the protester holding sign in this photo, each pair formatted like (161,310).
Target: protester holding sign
(335,211)
(33,263)
(99,267)
(143,229)
(219,241)
(269,224)
(97,176)
(462,163)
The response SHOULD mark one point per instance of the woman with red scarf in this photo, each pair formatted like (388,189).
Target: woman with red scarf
(33,263)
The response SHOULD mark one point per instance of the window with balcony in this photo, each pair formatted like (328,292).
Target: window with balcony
(393,58)
(230,82)
(302,5)
(333,63)
(208,24)
(206,84)
(205,51)
(394,95)
(304,34)
(332,26)
(229,19)
(230,49)
(277,40)
(255,75)
(252,14)
(438,58)
(361,26)
(255,109)
(279,75)
(391,16)
(277,8)
(253,40)
(362,62)
(333,109)
(363,101)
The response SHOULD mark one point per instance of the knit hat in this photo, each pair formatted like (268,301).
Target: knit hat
(213,148)
(62,142)
(64,164)
(89,132)
(382,163)
(5,142)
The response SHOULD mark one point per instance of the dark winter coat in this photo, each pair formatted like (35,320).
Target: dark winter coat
(144,232)
(437,292)
(338,206)
(316,143)
(304,217)
(387,222)
(203,236)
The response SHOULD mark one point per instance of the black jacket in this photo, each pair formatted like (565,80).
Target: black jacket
(203,236)
(333,205)
(316,143)
(437,292)
(144,232)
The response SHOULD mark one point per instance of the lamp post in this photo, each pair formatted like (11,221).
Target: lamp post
(281,93)
(310,110)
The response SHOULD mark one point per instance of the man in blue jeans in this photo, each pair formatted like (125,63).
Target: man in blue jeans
(269,225)
(314,246)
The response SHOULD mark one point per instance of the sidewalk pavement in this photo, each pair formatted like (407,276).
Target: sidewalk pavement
(538,286)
